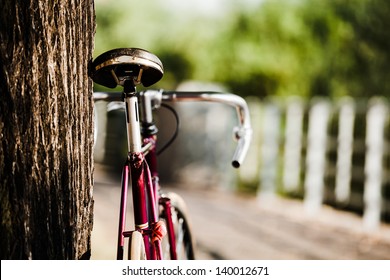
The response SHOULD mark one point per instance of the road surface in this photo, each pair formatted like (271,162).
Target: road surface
(231,227)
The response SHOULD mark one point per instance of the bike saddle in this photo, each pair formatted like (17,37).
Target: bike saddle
(114,67)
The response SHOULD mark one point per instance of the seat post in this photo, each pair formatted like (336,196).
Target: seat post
(132,117)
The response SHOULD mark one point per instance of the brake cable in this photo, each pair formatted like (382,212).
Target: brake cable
(174,136)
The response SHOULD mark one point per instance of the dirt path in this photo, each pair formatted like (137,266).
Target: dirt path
(232,227)
(229,227)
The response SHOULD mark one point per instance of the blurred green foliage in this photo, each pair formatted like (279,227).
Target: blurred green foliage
(272,47)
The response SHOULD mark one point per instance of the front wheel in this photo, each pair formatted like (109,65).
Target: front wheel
(136,246)
(181,227)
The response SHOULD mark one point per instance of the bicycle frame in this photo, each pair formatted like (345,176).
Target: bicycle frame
(145,186)
(141,162)
(144,189)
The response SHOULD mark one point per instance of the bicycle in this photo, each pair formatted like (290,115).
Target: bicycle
(162,229)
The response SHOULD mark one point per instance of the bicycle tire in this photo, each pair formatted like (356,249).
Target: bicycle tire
(136,246)
(182,228)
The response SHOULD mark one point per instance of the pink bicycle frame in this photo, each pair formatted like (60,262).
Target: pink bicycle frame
(141,164)
(141,167)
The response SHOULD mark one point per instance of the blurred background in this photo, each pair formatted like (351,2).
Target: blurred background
(316,77)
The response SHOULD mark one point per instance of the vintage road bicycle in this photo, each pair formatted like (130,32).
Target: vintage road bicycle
(162,230)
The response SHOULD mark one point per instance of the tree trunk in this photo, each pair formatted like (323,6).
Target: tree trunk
(46,129)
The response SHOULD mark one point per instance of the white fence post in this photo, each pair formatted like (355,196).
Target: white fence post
(344,150)
(293,144)
(316,156)
(376,120)
(269,151)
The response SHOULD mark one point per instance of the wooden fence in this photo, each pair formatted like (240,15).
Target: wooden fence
(322,151)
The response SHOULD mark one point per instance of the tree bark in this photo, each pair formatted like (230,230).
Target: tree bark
(46,129)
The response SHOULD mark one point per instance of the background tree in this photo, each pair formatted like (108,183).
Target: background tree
(262,48)
(46,129)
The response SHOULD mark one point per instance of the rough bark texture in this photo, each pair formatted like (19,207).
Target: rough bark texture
(46,129)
